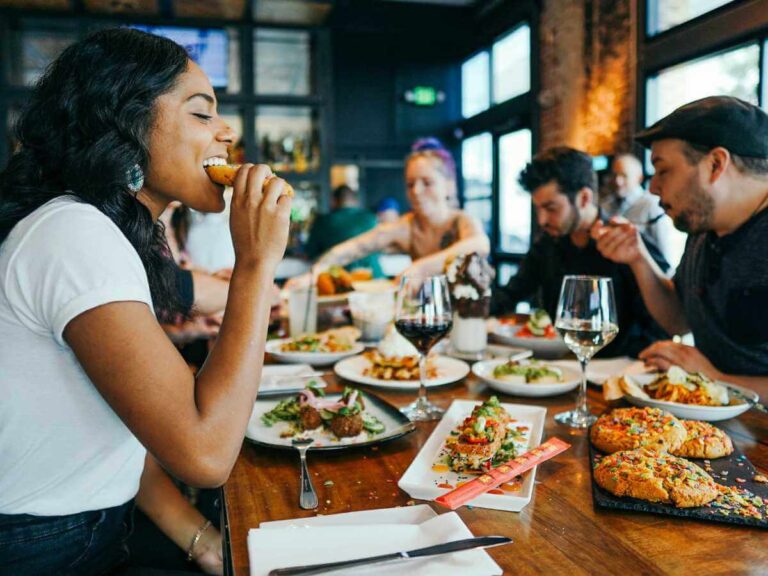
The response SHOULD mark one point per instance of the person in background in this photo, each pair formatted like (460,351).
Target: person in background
(98,404)
(628,198)
(711,161)
(433,232)
(346,220)
(562,182)
(387,210)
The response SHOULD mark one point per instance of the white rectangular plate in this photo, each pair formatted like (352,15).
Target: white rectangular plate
(423,481)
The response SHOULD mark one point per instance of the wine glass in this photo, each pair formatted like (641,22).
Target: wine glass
(423,317)
(586,318)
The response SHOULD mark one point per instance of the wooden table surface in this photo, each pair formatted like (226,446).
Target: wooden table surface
(559,532)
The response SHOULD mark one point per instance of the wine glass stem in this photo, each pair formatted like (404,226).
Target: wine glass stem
(422,401)
(581,402)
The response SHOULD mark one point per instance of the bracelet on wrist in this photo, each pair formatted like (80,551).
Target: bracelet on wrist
(196,539)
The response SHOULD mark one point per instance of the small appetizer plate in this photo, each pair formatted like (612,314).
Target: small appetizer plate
(429,477)
(313,358)
(571,379)
(449,370)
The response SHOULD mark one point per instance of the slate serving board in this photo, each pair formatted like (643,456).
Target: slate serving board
(736,465)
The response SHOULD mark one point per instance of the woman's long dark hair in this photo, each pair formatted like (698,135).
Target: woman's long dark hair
(86,125)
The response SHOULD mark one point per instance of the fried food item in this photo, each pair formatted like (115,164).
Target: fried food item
(309,417)
(346,426)
(396,367)
(224,174)
(480,437)
(656,477)
(325,285)
(335,280)
(703,440)
(361,275)
(630,428)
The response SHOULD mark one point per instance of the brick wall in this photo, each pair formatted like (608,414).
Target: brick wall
(588,68)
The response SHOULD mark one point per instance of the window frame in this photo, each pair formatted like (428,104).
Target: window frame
(727,27)
(513,114)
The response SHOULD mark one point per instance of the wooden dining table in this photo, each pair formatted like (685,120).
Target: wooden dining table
(559,532)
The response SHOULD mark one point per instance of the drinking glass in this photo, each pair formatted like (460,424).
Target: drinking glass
(423,317)
(586,318)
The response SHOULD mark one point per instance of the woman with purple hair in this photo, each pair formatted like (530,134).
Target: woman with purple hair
(433,232)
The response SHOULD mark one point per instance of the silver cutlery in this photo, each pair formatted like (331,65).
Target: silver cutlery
(308,498)
(447,548)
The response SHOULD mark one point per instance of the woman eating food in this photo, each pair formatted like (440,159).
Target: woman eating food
(121,124)
(432,233)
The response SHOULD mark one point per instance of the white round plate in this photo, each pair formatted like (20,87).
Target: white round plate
(314,358)
(484,371)
(695,411)
(490,352)
(542,347)
(449,370)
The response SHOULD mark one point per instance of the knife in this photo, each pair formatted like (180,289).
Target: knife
(447,548)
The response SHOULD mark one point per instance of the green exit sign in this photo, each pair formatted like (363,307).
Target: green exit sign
(424,96)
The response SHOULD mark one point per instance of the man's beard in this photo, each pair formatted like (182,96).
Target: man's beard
(571,226)
(697,217)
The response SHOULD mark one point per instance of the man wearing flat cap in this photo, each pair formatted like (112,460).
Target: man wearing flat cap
(711,163)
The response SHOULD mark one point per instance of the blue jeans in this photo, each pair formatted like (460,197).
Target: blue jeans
(83,544)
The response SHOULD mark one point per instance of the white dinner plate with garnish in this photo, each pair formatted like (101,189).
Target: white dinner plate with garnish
(542,347)
(484,371)
(741,400)
(277,435)
(449,370)
(313,358)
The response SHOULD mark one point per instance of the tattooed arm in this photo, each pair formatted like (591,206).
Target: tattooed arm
(376,240)
(467,237)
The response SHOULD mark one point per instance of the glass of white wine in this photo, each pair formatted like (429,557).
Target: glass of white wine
(586,318)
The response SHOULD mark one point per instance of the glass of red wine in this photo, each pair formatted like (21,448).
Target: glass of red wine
(423,317)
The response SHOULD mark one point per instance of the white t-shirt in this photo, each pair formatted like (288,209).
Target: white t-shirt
(62,448)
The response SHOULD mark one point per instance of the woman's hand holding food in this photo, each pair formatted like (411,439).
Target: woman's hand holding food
(259,216)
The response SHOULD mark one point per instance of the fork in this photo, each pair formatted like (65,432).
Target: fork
(308,498)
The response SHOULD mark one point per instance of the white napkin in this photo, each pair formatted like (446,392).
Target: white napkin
(275,547)
(278,376)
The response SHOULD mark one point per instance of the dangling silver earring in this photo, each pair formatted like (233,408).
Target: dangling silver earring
(135,178)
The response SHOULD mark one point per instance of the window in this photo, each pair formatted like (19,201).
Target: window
(512,64)
(283,62)
(477,172)
(764,97)
(209,48)
(665,14)
(37,48)
(733,73)
(514,202)
(475,85)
